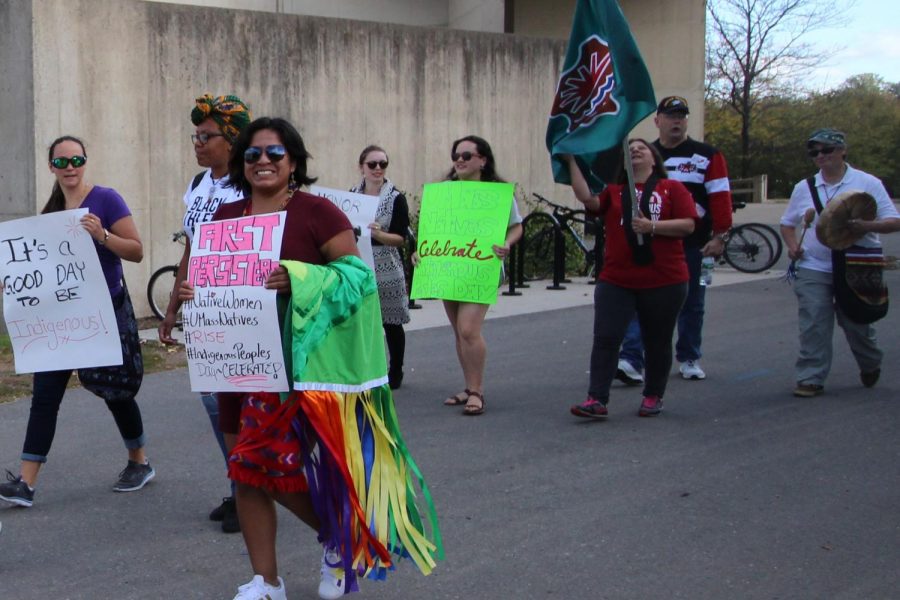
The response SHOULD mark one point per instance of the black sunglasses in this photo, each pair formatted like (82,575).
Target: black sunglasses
(61,162)
(275,152)
(466,156)
(377,163)
(204,137)
(826,150)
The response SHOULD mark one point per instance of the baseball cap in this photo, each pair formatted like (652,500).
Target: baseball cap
(828,136)
(673,104)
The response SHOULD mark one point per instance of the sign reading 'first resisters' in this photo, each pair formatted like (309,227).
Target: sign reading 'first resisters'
(459,223)
(231,332)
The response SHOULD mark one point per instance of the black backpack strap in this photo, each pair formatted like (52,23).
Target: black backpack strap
(197,179)
(817,202)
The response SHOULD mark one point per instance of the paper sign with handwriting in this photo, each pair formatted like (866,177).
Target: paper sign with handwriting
(55,299)
(459,222)
(231,333)
(360,209)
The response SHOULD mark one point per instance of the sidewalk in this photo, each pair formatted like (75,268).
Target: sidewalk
(534,299)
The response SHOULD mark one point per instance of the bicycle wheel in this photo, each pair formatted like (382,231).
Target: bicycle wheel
(580,251)
(537,247)
(771,235)
(748,250)
(159,291)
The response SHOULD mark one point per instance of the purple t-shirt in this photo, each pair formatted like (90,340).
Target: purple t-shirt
(108,205)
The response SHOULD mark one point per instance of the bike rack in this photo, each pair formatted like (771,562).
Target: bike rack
(411,244)
(559,256)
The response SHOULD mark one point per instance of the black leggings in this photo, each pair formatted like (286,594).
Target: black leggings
(396,342)
(48,391)
(657,311)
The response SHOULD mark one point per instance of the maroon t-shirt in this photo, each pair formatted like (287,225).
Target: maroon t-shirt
(311,222)
(670,200)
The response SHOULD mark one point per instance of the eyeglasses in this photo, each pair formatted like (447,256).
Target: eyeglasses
(466,156)
(204,137)
(377,163)
(826,150)
(275,152)
(61,162)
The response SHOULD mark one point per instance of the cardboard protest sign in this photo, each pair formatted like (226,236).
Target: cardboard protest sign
(360,209)
(459,222)
(55,299)
(231,333)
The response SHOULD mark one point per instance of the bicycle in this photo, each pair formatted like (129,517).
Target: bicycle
(751,247)
(159,288)
(577,231)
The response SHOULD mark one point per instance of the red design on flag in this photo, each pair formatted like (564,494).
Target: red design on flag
(585,90)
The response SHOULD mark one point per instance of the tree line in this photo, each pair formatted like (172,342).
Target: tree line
(865,107)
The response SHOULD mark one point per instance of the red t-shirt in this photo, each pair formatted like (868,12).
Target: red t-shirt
(670,200)
(311,222)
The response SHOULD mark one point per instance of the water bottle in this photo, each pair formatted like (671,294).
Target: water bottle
(706,270)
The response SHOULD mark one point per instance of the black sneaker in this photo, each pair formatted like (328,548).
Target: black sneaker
(134,477)
(869,378)
(16,491)
(230,522)
(218,513)
(395,379)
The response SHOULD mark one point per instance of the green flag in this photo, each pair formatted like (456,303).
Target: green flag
(604,90)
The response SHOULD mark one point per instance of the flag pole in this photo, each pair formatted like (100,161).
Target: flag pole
(629,171)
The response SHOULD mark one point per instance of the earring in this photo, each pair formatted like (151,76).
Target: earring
(292,185)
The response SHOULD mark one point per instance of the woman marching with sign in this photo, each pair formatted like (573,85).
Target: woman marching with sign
(473,160)
(647,276)
(388,235)
(330,451)
(116,238)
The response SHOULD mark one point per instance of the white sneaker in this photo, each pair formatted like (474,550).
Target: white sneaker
(691,370)
(333,583)
(258,589)
(628,374)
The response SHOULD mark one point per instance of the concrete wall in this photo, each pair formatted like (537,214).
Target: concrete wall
(122,74)
(432,13)
(17,162)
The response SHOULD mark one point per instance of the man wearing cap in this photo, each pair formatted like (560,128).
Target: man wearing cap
(703,171)
(814,285)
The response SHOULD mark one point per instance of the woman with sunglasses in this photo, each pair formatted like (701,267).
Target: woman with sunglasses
(388,234)
(644,273)
(473,160)
(280,441)
(217,121)
(110,224)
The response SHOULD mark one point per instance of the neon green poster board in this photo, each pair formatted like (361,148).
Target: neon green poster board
(459,222)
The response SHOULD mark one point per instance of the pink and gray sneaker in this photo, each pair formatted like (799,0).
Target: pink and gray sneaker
(591,408)
(650,406)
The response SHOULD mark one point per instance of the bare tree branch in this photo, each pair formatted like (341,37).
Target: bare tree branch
(755,50)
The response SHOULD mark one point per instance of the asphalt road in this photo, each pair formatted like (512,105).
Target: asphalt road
(738,490)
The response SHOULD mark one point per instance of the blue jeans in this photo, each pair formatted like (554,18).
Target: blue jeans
(212,410)
(48,389)
(690,320)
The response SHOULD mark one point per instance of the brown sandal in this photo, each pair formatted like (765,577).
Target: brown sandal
(472,409)
(458,399)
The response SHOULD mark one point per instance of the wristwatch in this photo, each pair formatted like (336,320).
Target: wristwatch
(724,236)
(105,237)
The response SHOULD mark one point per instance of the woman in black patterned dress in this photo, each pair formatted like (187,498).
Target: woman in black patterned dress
(389,232)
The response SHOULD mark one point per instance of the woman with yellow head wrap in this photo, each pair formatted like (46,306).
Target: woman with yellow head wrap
(218,121)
